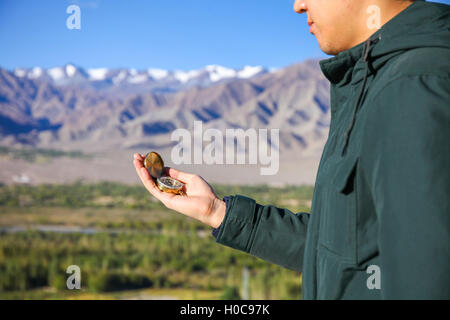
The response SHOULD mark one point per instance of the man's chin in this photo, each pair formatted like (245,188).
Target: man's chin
(328,48)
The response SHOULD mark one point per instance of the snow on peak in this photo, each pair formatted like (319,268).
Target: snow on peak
(36,72)
(19,72)
(71,70)
(217,72)
(138,78)
(97,74)
(56,73)
(120,77)
(214,72)
(249,71)
(157,74)
(185,76)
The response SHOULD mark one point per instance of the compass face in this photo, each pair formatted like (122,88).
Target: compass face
(154,164)
(169,184)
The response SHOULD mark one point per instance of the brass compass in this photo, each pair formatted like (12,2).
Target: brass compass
(155,167)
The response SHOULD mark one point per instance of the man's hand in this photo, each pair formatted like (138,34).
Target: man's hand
(200,201)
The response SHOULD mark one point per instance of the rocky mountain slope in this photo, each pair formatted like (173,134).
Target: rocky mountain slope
(106,111)
(41,112)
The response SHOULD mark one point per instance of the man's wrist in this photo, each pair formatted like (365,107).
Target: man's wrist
(218,213)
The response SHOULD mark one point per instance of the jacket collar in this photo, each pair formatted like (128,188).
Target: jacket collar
(338,70)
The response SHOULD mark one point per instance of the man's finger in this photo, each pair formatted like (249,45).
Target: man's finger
(179,175)
(149,184)
(144,176)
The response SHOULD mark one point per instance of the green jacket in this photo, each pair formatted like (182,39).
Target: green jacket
(382,190)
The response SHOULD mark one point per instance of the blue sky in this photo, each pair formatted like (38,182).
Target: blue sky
(155,34)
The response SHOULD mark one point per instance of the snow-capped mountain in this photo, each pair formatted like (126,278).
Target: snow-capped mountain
(127,108)
(138,81)
(69,74)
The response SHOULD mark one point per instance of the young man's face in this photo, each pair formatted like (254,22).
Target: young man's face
(336,24)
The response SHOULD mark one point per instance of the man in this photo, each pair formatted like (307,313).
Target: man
(379,223)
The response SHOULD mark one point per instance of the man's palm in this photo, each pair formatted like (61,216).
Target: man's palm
(200,201)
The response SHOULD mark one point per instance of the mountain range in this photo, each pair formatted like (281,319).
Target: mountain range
(137,81)
(69,104)
(108,110)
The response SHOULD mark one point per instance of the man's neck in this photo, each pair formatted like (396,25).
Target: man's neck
(387,9)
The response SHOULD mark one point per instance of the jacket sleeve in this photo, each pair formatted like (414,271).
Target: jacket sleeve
(270,233)
(409,174)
